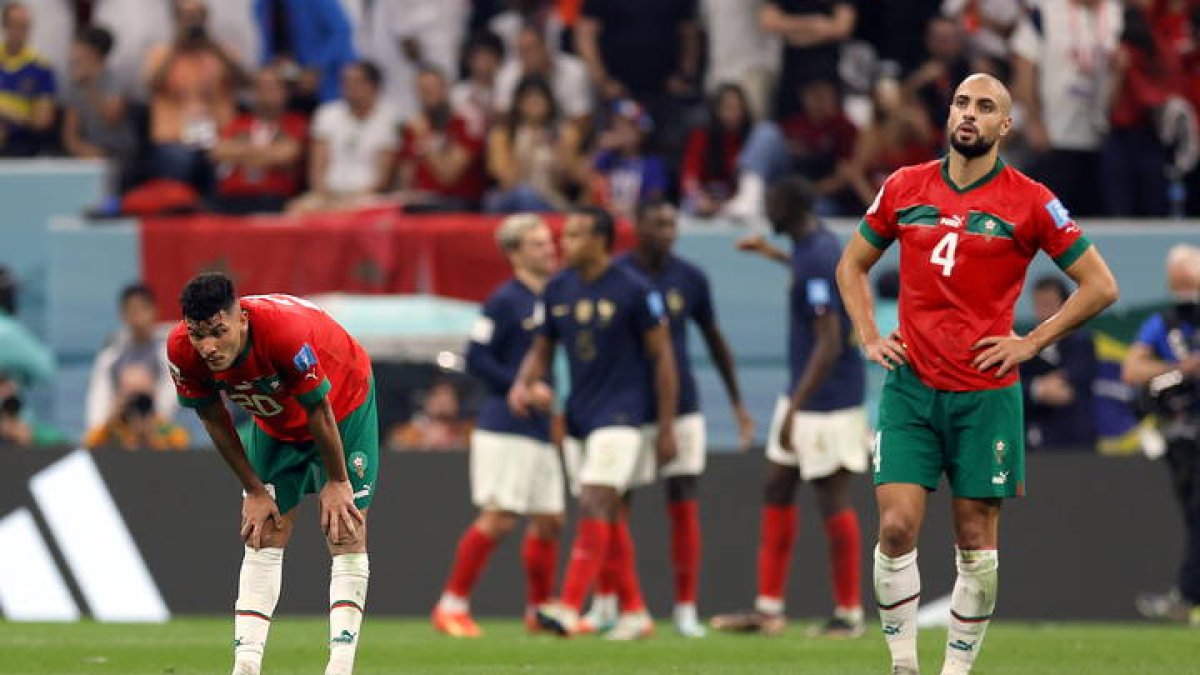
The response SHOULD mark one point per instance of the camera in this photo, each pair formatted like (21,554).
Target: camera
(141,405)
(1169,395)
(11,406)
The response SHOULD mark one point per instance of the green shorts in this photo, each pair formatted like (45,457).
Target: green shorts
(296,469)
(976,437)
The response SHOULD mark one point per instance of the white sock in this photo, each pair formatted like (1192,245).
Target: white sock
(971,607)
(769,605)
(258,591)
(454,604)
(347,599)
(898,592)
(604,608)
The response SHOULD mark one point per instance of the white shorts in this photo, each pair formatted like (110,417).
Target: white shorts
(823,442)
(609,457)
(691,439)
(515,473)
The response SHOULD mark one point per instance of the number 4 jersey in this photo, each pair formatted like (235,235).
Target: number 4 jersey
(963,256)
(295,356)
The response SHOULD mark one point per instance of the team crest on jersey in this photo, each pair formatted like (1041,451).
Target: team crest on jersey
(1062,217)
(605,310)
(675,301)
(559,311)
(358,464)
(304,359)
(583,311)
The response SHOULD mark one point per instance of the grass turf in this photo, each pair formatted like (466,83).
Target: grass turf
(409,646)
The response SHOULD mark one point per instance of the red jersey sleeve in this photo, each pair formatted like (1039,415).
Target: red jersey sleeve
(193,383)
(290,349)
(1055,230)
(878,226)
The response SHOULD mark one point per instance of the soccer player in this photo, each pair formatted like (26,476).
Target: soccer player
(614,328)
(685,289)
(968,226)
(819,431)
(308,385)
(515,470)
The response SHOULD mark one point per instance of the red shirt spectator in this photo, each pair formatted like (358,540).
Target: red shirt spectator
(417,144)
(820,136)
(279,181)
(710,157)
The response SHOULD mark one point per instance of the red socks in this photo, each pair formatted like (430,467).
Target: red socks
(685,549)
(624,563)
(541,558)
(473,550)
(845,557)
(776,538)
(588,554)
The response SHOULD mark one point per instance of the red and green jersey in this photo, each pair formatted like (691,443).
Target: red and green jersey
(963,257)
(296,355)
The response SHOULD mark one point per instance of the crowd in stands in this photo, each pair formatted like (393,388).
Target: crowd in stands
(535,105)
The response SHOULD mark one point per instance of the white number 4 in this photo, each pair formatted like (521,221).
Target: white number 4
(943,253)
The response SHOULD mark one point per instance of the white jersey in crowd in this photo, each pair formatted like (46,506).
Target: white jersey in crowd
(437,26)
(354,144)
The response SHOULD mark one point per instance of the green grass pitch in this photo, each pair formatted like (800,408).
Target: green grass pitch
(409,646)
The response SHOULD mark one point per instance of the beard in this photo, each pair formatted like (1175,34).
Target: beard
(976,148)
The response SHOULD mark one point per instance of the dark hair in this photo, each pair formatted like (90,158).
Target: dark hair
(1052,282)
(887,284)
(715,163)
(603,224)
(137,290)
(370,71)
(206,295)
(484,40)
(795,196)
(527,84)
(649,204)
(97,38)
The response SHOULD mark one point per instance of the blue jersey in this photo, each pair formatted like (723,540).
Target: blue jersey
(686,293)
(1155,333)
(815,293)
(499,341)
(602,325)
(24,80)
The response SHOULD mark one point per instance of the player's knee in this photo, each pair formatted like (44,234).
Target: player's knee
(496,524)
(598,502)
(780,486)
(546,526)
(682,488)
(897,532)
(973,538)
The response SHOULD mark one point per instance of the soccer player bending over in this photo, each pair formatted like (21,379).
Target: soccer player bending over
(308,385)
(968,227)
(515,470)
(613,325)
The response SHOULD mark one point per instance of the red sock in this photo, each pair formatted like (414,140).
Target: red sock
(845,552)
(473,550)
(608,582)
(776,539)
(685,548)
(587,556)
(629,588)
(541,558)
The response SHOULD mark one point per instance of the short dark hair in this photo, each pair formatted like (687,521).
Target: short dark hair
(603,224)
(98,39)
(649,204)
(796,197)
(370,71)
(1053,282)
(484,40)
(207,295)
(137,290)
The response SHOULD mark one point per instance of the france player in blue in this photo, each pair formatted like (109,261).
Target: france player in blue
(819,431)
(688,297)
(515,471)
(613,326)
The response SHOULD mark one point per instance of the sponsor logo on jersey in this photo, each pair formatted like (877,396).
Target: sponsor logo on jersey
(951,221)
(1000,478)
(1062,218)
(305,359)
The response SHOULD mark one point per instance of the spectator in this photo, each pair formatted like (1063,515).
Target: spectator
(1135,159)
(932,84)
(353,145)
(440,163)
(17,426)
(192,81)
(96,123)
(53,32)
(545,16)
(312,40)
(1063,52)
(27,86)
(710,159)
(988,25)
(438,427)
(1058,381)
(899,135)
(820,142)
(474,99)
(259,157)
(739,50)
(133,423)
(812,32)
(566,74)
(640,49)
(136,342)
(406,35)
(533,155)
(622,174)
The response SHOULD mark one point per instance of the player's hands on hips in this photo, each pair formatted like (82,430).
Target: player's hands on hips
(340,518)
(257,509)
(518,399)
(1003,352)
(664,445)
(888,352)
(745,424)
(541,396)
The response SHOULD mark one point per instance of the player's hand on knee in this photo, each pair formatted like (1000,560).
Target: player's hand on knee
(888,352)
(340,518)
(258,508)
(1003,352)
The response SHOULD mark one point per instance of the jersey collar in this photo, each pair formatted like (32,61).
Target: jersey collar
(983,180)
(245,350)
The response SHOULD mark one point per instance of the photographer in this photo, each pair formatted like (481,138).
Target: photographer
(134,425)
(1165,359)
(17,428)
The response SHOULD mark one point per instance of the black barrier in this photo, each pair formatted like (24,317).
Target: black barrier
(1092,533)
